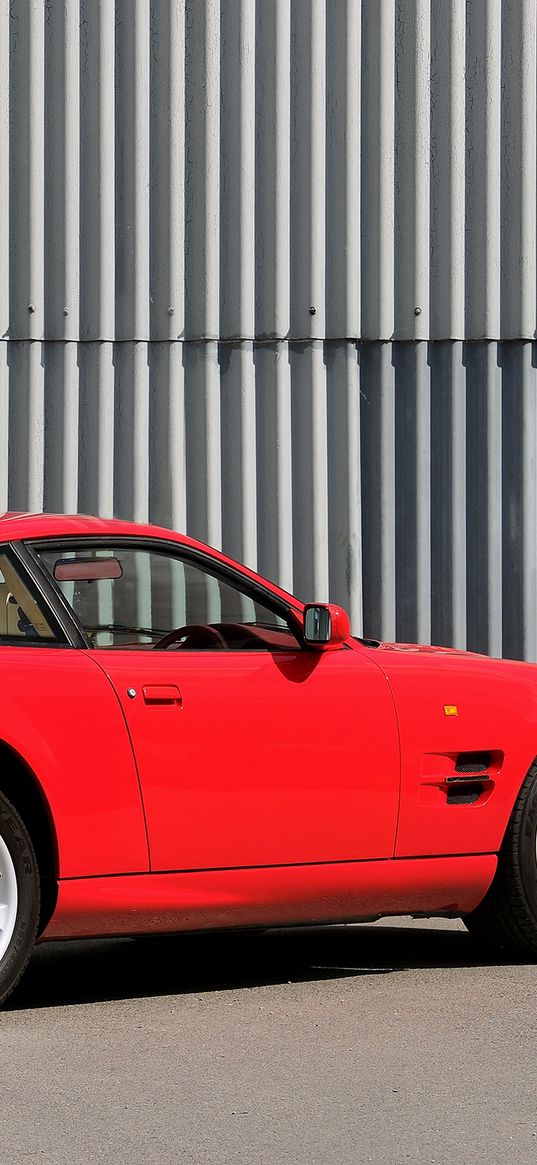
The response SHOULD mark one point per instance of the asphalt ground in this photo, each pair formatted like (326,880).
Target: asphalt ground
(386,1043)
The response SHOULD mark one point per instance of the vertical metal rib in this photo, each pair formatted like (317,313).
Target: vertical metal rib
(167,169)
(202,193)
(448,495)
(484,497)
(167,454)
(4,169)
(272,175)
(446,313)
(97,187)
(26,193)
(203,442)
(132,170)
(519,532)
(61,212)
(307,255)
(342,200)
(237,152)
(274,462)
(413,493)
(131,395)
(519,175)
(61,428)
(239,484)
(344,490)
(96,467)
(412,152)
(310,492)
(483,81)
(377,212)
(378,489)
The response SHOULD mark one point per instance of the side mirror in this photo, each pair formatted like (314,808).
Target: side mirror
(325,626)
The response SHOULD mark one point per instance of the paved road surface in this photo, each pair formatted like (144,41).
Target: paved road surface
(389,1043)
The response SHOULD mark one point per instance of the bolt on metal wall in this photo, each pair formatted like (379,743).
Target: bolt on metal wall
(268,274)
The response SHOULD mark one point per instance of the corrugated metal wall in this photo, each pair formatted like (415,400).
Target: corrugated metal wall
(268,274)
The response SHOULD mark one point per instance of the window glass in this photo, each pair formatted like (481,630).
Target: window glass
(21,617)
(149,595)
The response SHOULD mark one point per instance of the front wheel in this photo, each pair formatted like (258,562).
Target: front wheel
(507,916)
(19,897)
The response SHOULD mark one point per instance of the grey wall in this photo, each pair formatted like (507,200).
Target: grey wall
(268,274)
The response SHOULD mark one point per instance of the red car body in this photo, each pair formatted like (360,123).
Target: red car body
(179,789)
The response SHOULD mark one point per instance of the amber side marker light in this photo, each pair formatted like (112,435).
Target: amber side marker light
(451,710)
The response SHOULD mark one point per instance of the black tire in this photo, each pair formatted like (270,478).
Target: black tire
(15,837)
(506,919)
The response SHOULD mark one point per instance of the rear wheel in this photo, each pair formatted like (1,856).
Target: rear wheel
(19,897)
(507,917)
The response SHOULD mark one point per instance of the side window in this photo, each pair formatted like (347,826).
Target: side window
(21,617)
(124,597)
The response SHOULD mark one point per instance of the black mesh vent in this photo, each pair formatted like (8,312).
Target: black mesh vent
(464,796)
(472,762)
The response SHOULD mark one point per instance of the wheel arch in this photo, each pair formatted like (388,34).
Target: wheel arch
(22,787)
(515,794)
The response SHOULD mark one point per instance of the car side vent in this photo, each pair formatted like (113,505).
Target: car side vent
(472,762)
(464,795)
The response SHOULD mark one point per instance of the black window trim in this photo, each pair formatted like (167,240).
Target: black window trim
(61,637)
(60,606)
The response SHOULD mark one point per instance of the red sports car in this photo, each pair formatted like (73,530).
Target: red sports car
(185,746)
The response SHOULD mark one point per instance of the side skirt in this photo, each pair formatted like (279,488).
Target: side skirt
(268,896)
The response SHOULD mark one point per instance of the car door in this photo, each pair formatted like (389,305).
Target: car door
(59,714)
(250,752)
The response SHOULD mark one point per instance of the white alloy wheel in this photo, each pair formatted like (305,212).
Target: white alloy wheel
(9,898)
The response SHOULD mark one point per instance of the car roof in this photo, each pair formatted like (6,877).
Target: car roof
(18,526)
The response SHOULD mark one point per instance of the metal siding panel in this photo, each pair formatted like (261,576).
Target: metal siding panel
(307,251)
(61,428)
(61,210)
(412,152)
(97,166)
(202,179)
(447,241)
(131,454)
(343,49)
(239,478)
(4,167)
(309,462)
(344,490)
(274,461)
(412,492)
(448,495)
(519,385)
(378,489)
(96,468)
(321,462)
(167,169)
(377,208)
(237,164)
(167,451)
(26,170)
(519,177)
(232,155)
(4,426)
(26,426)
(272,172)
(132,170)
(483,168)
(203,442)
(484,497)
